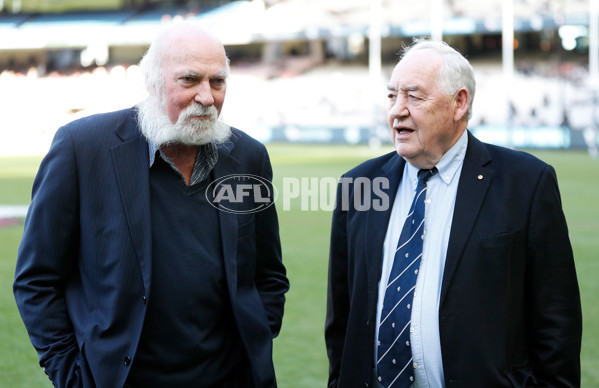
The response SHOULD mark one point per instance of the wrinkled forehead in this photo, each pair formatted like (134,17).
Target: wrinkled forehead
(186,48)
(417,68)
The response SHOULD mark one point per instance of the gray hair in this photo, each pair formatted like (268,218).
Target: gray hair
(456,72)
(152,61)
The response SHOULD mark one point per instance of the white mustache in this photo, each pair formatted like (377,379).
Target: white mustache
(198,110)
(156,125)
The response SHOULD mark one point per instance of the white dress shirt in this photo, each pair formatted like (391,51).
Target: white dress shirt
(440,201)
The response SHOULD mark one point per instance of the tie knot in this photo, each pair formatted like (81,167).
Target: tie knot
(425,174)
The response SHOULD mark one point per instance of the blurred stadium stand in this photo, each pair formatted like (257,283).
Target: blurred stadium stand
(299,67)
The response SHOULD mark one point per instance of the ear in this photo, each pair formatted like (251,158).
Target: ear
(462,103)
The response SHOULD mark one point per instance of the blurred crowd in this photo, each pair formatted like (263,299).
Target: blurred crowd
(34,103)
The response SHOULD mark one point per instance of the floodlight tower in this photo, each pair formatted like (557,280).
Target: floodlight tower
(507,35)
(375,67)
(437,20)
(374,37)
(594,70)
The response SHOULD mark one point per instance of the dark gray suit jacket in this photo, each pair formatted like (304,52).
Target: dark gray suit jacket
(510,313)
(84,264)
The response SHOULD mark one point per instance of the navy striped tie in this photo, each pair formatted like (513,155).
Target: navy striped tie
(394,363)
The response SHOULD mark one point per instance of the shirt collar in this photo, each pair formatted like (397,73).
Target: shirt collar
(205,161)
(152,148)
(453,159)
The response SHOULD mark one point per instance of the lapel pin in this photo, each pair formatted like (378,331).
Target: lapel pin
(480,177)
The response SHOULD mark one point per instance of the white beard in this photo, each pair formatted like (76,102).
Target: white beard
(156,126)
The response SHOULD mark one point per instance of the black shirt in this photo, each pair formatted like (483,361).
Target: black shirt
(189,337)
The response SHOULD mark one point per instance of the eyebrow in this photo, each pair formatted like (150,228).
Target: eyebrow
(404,88)
(411,88)
(191,73)
(220,74)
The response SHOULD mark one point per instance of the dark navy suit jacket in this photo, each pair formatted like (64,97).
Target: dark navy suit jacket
(84,264)
(509,314)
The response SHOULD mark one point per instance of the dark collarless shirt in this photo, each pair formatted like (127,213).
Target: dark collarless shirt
(189,337)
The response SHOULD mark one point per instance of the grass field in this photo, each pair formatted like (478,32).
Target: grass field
(300,356)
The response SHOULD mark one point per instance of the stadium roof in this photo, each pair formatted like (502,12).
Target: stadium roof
(240,22)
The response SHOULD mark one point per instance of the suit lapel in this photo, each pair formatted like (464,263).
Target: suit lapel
(130,162)
(474,183)
(376,228)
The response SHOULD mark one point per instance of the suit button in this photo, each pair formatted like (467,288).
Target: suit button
(145,299)
(127,361)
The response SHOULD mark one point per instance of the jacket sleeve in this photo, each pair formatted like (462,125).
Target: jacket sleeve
(337,314)
(47,254)
(556,309)
(271,279)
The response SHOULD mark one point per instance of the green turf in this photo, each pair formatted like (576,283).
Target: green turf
(65,5)
(16,176)
(18,360)
(300,356)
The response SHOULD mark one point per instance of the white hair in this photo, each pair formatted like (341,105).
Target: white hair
(456,72)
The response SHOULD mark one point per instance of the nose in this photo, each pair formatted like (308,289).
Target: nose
(399,108)
(204,94)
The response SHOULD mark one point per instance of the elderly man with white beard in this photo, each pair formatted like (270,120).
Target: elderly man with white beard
(130,273)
